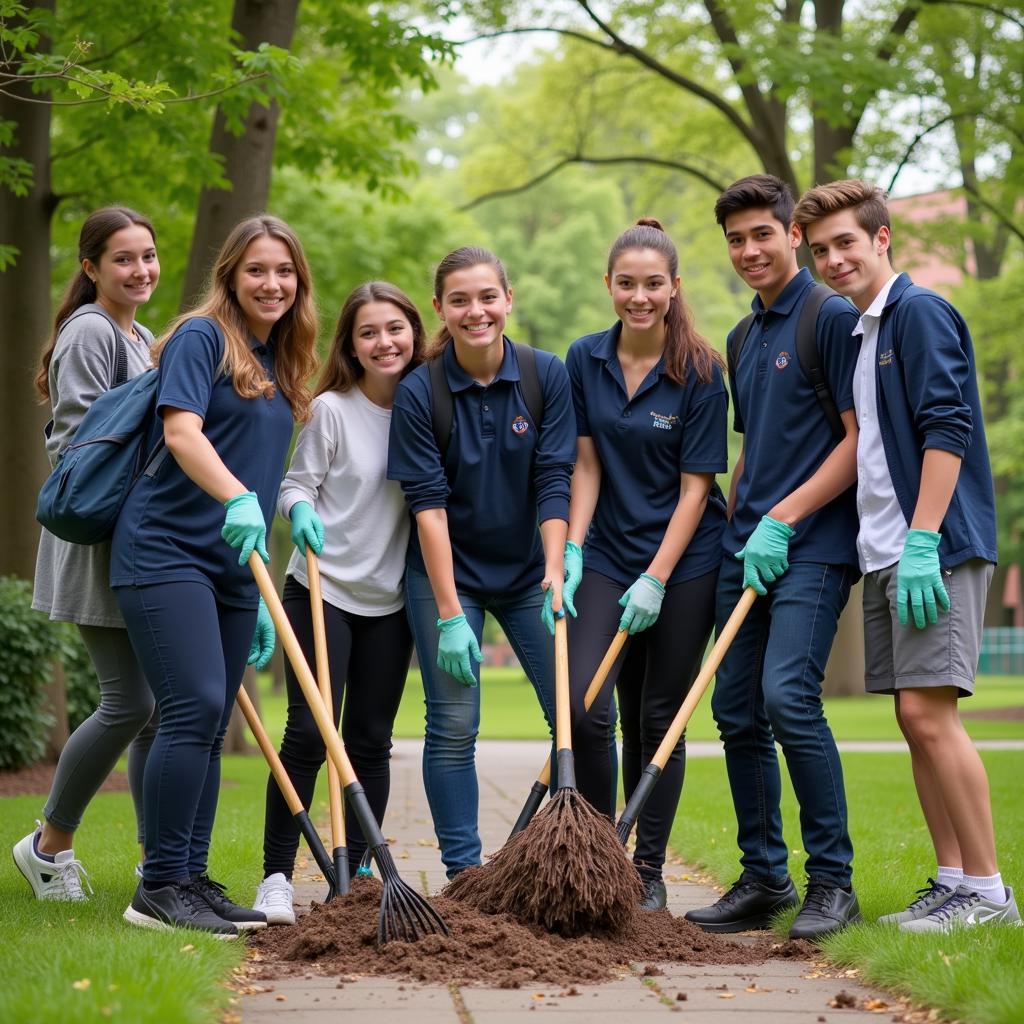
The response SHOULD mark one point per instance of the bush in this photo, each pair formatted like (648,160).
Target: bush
(29,643)
(81,687)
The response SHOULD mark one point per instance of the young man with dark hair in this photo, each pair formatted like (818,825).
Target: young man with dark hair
(791,537)
(927,539)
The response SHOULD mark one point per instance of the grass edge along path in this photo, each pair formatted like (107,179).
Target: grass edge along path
(975,976)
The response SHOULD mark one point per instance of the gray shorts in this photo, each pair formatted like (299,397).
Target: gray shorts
(942,654)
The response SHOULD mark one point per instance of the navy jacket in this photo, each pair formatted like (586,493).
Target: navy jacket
(928,398)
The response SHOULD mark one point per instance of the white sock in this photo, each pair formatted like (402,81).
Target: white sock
(949,877)
(989,886)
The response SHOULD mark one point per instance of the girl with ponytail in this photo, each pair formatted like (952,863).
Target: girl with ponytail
(645,526)
(96,344)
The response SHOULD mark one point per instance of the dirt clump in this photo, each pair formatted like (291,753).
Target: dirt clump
(497,950)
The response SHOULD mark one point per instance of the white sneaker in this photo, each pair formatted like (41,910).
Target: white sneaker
(57,879)
(965,909)
(274,899)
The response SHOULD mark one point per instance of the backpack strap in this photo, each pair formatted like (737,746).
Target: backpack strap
(739,337)
(121,355)
(809,357)
(442,408)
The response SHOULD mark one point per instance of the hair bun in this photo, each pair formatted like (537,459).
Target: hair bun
(650,222)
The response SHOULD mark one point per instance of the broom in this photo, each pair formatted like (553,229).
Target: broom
(323,673)
(404,913)
(653,771)
(539,790)
(291,798)
(566,871)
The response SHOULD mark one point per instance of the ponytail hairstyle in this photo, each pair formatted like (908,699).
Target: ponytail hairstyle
(81,290)
(294,335)
(461,259)
(684,347)
(342,369)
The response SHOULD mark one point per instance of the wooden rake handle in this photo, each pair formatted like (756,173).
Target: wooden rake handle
(277,769)
(563,709)
(595,687)
(700,684)
(290,643)
(323,674)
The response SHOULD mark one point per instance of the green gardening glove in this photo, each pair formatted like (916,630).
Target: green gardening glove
(572,560)
(642,603)
(244,526)
(307,529)
(766,554)
(919,579)
(456,644)
(263,639)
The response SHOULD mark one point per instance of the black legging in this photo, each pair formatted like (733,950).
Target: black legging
(651,678)
(369,659)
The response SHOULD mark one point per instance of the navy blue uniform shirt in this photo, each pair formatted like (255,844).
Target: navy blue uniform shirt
(645,443)
(928,398)
(501,476)
(786,437)
(169,527)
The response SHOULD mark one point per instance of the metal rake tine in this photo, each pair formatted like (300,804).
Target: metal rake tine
(419,910)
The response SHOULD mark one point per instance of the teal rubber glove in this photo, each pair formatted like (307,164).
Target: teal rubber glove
(455,646)
(244,526)
(766,554)
(264,639)
(307,529)
(573,574)
(642,603)
(919,579)
(572,560)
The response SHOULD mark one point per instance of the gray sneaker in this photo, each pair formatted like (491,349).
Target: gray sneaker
(964,909)
(930,898)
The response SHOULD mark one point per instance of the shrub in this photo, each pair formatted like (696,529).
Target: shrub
(29,643)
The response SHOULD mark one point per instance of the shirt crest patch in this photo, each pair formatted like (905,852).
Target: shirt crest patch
(662,421)
(520,425)
(886,358)
(782,361)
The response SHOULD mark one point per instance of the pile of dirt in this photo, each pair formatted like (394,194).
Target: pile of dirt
(496,950)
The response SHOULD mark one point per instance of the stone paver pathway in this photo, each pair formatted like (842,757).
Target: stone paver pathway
(777,992)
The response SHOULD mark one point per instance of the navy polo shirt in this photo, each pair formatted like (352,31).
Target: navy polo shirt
(645,443)
(501,475)
(169,527)
(786,435)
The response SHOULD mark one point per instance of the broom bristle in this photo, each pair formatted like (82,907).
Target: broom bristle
(566,871)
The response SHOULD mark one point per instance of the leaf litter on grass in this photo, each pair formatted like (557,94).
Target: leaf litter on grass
(339,938)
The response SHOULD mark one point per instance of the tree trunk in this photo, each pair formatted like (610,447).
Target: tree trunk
(24,299)
(56,704)
(248,158)
(844,674)
(236,739)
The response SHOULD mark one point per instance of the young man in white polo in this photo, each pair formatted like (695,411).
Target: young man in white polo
(926,540)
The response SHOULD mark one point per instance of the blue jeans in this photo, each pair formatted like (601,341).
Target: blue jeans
(193,650)
(768,689)
(453,710)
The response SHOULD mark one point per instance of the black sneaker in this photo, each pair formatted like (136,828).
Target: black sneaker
(214,893)
(826,909)
(655,897)
(176,905)
(748,904)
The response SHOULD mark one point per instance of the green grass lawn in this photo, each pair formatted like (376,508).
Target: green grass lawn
(975,976)
(509,710)
(81,962)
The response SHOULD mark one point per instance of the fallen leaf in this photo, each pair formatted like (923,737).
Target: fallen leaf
(751,988)
(188,948)
(81,985)
(726,995)
(281,999)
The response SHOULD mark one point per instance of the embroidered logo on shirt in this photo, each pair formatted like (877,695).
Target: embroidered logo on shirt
(782,361)
(886,358)
(662,421)
(520,425)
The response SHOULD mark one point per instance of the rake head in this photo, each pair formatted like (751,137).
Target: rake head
(404,914)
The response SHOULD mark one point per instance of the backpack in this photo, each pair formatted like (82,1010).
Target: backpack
(82,497)
(807,354)
(442,408)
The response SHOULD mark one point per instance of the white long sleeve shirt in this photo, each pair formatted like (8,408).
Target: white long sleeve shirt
(339,466)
